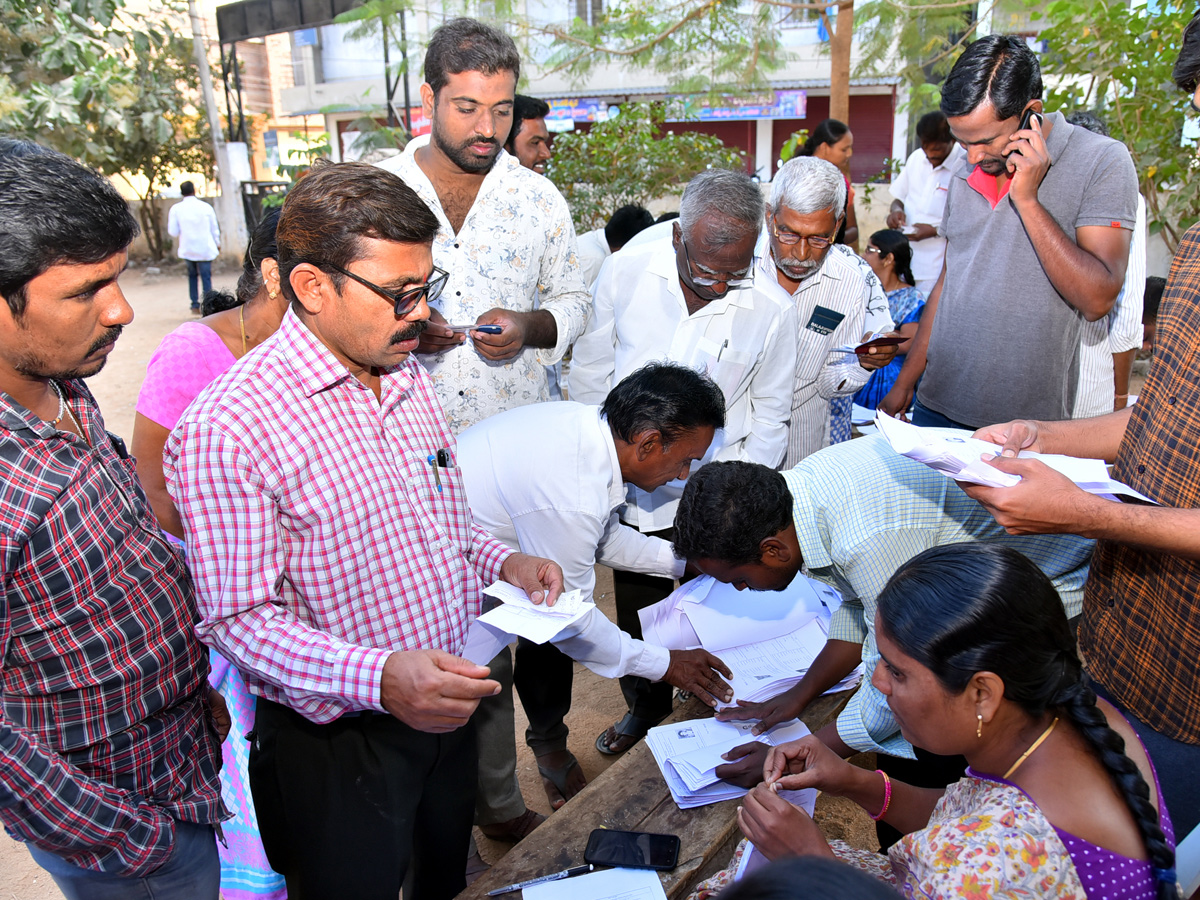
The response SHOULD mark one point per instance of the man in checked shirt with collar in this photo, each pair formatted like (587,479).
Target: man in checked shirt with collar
(108,748)
(335,559)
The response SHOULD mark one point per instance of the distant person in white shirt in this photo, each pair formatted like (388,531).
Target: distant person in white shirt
(598,245)
(564,499)
(920,191)
(832,292)
(1110,344)
(689,299)
(194,224)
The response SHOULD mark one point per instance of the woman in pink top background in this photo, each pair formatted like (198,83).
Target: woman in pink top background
(185,363)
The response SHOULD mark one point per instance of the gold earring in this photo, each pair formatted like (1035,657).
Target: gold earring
(979,726)
(272,294)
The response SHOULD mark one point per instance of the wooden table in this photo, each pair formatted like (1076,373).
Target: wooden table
(631,795)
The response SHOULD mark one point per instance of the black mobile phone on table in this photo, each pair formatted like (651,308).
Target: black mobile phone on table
(632,849)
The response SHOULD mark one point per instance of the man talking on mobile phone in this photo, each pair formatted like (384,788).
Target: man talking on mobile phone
(1038,224)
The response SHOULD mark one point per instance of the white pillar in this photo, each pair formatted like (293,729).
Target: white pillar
(764,132)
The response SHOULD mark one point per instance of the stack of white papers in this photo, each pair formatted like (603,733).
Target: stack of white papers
(688,754)
(517,615)
(956,455)
(766,669)
(768,639)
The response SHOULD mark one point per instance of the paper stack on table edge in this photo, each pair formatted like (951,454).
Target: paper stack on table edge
(688,752)
(606,884)
(956,455)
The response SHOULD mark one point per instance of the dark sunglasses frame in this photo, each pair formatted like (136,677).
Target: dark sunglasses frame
(405,301)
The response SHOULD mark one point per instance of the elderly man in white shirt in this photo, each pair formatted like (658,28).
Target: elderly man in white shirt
(506,237)
(689,300)
(920,190)
(564,499)
(831,294)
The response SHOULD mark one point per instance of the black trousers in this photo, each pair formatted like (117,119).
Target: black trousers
(634,591)
(345,807)
(543,676)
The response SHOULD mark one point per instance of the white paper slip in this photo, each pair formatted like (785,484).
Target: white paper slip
(518,615)
(609,884)
(697,767)
(752,860)
(956,455)
(484,642)
(767,668)
(860,415)
(717,616)
(568,603)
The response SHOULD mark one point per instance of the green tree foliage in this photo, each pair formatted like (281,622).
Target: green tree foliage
(83,77)
(1116,61)
(633,158)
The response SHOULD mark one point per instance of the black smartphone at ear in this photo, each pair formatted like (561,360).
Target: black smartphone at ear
(632,849)
(1027,118)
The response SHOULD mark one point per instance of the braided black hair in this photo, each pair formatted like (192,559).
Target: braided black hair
(960,609)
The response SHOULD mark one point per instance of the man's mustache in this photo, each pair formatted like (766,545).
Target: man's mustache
(109,337)
(414,330)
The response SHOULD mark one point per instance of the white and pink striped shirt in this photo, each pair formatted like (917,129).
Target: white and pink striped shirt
(318,534)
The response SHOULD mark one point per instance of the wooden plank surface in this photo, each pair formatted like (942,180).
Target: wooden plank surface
(631,795)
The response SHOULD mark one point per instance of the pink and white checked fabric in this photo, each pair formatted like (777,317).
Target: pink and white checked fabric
(317,534)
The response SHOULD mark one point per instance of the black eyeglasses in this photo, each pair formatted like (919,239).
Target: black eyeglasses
(405,300)
(814,241)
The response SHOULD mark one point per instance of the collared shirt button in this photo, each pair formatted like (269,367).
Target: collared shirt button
(462,393)
(1112,602)
(1170,401)
(1141,470)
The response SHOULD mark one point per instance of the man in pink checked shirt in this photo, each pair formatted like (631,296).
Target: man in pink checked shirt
(334,555)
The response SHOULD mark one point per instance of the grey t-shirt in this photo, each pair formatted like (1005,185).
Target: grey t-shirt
(1005,344)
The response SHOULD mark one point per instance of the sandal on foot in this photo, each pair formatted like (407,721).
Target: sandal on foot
(630,726)
(558,776)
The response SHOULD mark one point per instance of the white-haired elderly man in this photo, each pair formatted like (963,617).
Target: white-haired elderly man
(689,299)
(835,299)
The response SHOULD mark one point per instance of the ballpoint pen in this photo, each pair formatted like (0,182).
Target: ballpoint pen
(557,876)
(433,464)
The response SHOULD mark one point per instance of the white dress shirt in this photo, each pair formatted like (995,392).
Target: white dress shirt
(743,341)
(545,479)
(516,250)
(593,251)
(194,223)
(831,310)
(1117,332)
(923,190)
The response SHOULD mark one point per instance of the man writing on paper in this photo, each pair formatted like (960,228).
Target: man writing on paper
(1140,631)
(335,559)
(754,528)
(562,503)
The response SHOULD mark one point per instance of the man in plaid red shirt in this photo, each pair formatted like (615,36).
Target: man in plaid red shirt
(335,559)
(108,748)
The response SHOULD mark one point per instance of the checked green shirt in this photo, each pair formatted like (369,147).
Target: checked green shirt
(862,510)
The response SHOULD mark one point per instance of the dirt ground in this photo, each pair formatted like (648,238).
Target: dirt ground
(160,304)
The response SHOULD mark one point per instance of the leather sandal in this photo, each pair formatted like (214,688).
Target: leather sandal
(629,726)
(557,776)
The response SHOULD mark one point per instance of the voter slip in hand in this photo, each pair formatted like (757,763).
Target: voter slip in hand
(688,753)
(518,616)
(956,455)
